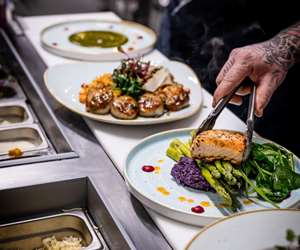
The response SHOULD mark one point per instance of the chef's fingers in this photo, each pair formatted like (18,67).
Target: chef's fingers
(265,89)
(236,100)
(237,73)
(226,67)
(244,90)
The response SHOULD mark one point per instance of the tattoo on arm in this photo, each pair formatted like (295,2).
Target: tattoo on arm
(284,48)
(228,66)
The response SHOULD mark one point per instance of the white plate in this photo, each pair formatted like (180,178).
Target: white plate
(55,39)
(259,230)
(64,81)
(152,151)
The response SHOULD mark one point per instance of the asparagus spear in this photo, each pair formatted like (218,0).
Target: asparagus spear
(233,194)
(213,170)
(236,173)
(182,147)
(216,185)
(174,153)
(229,178)
(227,166)
(178,149)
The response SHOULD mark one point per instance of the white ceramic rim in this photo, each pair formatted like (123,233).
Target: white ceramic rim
(237,215)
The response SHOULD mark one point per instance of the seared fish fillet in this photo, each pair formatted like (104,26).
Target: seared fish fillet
(219,145)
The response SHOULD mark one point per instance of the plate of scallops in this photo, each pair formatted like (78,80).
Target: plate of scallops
(131,92)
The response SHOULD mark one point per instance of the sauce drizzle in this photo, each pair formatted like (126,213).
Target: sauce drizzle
(98,38)
(163,191)
(197,209)
(148,168)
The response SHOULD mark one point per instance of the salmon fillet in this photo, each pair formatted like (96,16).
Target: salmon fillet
(225,145)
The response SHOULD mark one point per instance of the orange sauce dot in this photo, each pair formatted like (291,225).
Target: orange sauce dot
(205,203)
(190,201)
(163,191)
(156,170)
(161,161)
(181,198)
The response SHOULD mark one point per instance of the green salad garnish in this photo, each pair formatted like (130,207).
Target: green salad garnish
(130,76)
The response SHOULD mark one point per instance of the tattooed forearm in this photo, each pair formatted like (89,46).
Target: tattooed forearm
(284,48)
(266,64)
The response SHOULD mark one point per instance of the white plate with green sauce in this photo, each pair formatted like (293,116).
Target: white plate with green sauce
(95,40)
(271,229)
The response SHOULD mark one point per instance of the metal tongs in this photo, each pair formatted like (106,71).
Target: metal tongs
(210,121)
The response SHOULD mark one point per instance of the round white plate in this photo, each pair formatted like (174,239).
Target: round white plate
(177,201)
(259,230)
(55,39)
(64,81)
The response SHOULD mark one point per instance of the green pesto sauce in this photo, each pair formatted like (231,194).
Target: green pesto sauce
(103,39)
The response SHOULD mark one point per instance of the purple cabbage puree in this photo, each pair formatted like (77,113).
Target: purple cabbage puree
(187,173)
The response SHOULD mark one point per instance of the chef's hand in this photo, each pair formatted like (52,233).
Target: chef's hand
(266,64)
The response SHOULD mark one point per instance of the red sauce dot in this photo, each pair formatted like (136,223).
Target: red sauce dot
(130,49)
(197,209)
(148,168)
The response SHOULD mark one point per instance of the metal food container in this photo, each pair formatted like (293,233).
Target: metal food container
(26,138)
(28,234)
(12,113)
(14,85)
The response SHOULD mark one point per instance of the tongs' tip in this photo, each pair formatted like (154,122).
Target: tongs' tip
(210,121)
(250,123)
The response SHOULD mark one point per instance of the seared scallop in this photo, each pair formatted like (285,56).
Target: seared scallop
(98,100)
(216,144)
(124,107)
(175,96)
(150,105)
